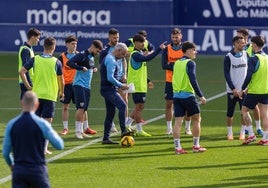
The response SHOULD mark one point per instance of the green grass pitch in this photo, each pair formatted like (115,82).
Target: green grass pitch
(151,162)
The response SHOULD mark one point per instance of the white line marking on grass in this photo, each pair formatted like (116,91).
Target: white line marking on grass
(65,153)
(216,96)
(5,179)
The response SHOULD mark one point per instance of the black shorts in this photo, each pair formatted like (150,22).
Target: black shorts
(189,105)
(82,97)
(46,108)
(138,97)
(168,91)
(231,103)
(251,100)
(68,94)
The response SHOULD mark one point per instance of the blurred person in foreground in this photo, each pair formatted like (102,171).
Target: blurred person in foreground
(25,137)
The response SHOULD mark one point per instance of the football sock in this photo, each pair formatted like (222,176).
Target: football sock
(250,130)
(129,121)
(169,125)
(126,119)
(139,127)
(65,124)
(265,135)
(85,124)
(187,125)
(258,124)
(243,128)
(78,126)
(196,141)
(230,130)
(177,143)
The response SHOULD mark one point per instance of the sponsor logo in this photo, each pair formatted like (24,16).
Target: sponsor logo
(238,9)
(217,40)
(65,15)
(216,10)
(61,35)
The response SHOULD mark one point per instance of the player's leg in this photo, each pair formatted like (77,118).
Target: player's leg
(110,113)
(169,107)
(68,96)
(65,117)
(187,120)
(48,112)
(243,123)
(169,116)
(263,106)
(87,129)
(249,102)
(231,103)
(256,115)
(80,100)
(179,113)
(192,107)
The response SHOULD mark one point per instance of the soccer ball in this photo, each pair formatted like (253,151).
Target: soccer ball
(127,141)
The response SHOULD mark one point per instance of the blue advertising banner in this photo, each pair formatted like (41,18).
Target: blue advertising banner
(90,20)
(221,12)
(209,40)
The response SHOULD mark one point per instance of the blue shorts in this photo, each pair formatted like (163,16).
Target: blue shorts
(168,91)
(251,100)
(68,94)
(81,97)
(46,108)
(29,177)
(189,105)
(231,103)
(138,97)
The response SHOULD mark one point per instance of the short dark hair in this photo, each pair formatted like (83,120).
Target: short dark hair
(236,38)
(113,31)
(138,38)
(49,42)
(98,44)
(176,31)
(143,33)
(71,38)
(187,45)
(258,40)
(244,31)
(33,32)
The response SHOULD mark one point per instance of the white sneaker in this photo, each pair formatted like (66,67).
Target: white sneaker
(86,135)
(79,135)
(188,131)
(169,132)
